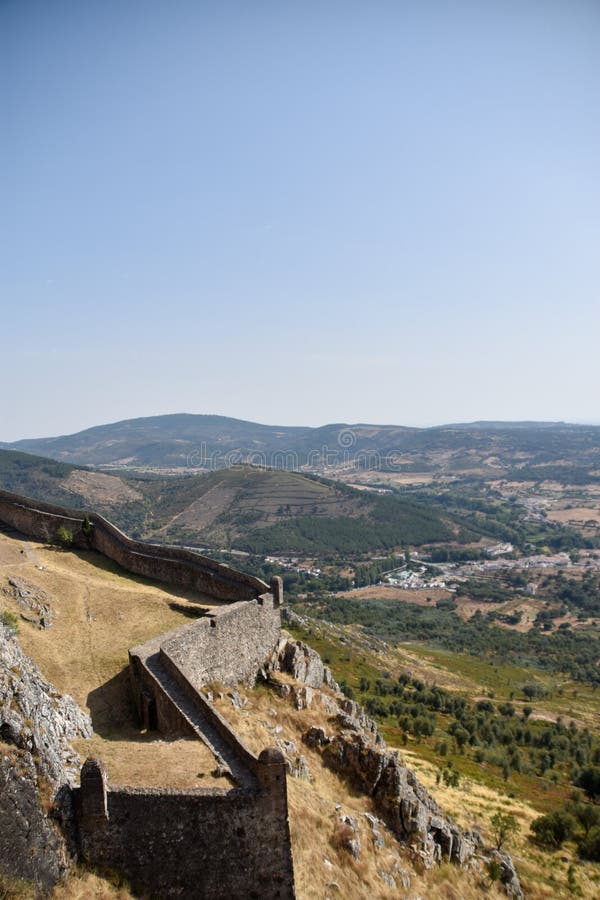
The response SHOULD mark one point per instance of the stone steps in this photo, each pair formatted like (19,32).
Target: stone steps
(204,730)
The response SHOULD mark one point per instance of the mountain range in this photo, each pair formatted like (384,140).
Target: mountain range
(186,442)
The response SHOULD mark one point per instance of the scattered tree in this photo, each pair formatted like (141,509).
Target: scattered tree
(551,830)
(504,827)
(589,780)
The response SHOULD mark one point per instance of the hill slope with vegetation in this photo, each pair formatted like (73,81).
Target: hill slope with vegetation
(248,508)
(533,450)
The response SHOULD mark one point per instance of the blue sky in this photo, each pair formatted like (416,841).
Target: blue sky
(299,212)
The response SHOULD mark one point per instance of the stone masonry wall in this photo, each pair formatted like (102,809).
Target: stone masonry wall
(210,844)
(228,645)
(173,565)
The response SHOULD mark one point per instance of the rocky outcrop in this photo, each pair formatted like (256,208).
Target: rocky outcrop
(404,804)
(508,874)
(36,718)
(30,847)
(352,717)
(32,599)
(357,751)
(36,724)
(303,663)
(295,763)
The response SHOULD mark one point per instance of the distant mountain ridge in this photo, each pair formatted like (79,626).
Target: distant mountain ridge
(183,440)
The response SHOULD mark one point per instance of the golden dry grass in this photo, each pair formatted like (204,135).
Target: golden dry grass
(99,613)
(315,808)
(576,514)
(148,761)
(82,885)
(472,805)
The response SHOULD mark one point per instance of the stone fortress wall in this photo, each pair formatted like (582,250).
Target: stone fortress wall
(173,565)
(211,843)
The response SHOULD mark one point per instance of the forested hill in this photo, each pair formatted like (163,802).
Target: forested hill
(528,449)
(258,510)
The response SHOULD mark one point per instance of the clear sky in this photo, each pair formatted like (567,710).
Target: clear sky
(299,212)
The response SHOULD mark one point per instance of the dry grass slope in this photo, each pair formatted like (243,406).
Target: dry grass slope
(99,613)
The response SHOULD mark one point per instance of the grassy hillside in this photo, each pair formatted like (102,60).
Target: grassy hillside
(479,739)
(73,486)
(100,612)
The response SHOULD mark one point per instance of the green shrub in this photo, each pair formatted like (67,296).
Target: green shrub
(589,847)
(87,525)
(494,870)
(589,780)
(552,829)
(10,622)
(64,536)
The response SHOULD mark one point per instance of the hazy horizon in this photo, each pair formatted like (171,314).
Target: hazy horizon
(310,424)
(299,213)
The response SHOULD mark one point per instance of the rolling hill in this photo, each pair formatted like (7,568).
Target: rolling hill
(247,508)
(532,450)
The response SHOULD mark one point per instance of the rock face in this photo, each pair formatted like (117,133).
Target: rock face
(30,848)
(36,718)
(404,804)
(36,724)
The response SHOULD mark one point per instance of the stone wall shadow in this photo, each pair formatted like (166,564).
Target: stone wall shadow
(99,561)
(112,709)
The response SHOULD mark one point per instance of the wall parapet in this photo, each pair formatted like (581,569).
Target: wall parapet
(209,843)
(173,565)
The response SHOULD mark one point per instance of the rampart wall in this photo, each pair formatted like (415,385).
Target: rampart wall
(230,644)
(200,843)
(173,565)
